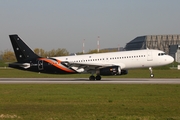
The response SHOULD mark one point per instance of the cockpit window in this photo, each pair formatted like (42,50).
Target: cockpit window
(161,54)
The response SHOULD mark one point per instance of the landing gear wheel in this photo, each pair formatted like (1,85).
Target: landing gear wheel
(98,77)
(151,75)
(92,77)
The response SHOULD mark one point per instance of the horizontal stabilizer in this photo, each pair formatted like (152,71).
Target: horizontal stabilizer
(21,65)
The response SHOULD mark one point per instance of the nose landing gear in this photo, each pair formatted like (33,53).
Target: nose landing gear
(151,72)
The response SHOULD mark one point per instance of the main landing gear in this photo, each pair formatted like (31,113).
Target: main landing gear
(92,77)
(151,72)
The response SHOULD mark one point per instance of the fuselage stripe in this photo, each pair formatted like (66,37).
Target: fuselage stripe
(57,65)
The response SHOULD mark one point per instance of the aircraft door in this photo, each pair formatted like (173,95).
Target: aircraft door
(40,65)
(149,55)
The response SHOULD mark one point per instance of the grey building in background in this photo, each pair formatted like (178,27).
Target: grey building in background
(160,42)
(174,51)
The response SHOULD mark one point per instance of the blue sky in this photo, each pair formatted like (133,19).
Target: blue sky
(53,24)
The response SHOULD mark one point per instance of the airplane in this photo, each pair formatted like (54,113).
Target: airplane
(112,63)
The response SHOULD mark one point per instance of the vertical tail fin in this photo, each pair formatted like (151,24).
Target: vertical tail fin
(22,51)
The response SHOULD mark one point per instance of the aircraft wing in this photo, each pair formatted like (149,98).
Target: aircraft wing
(91,66)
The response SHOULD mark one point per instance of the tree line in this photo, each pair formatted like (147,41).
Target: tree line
(9,56)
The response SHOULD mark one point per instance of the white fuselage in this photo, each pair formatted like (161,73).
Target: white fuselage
(124,59)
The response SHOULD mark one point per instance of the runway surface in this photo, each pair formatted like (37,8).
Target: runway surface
(86,81)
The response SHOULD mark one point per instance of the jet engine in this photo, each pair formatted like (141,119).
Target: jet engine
(112,70)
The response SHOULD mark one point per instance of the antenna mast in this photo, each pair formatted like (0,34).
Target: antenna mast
(98,46)
(83,46)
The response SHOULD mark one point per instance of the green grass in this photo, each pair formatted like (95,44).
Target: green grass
(136,73)
(2,64)
(89,102)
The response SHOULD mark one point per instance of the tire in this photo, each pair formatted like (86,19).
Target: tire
(152,75)
(92,77)
(98,77)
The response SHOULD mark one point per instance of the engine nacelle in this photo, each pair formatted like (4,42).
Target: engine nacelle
(112,70)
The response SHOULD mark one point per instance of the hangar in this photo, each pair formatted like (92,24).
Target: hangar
(160,42)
